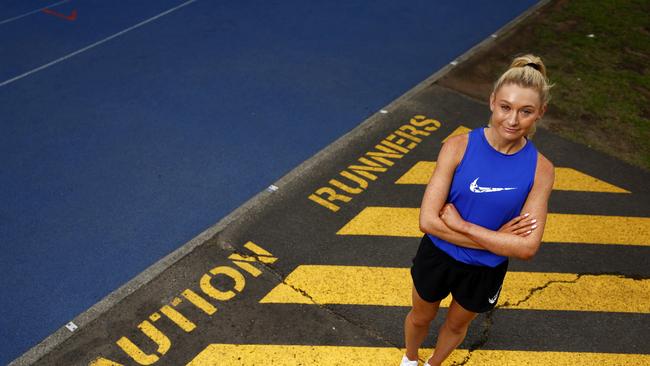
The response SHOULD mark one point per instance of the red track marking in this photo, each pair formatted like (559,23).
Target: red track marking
(72,17)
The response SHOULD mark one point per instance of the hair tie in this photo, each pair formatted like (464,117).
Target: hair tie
(534,66)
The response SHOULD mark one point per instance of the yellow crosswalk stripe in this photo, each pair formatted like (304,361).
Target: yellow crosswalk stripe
(420,173)
(458,131)
(382,286)
(566,179)
(560,228)
(295,355)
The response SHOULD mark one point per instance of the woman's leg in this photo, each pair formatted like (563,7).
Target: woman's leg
(452,332)
(416,324)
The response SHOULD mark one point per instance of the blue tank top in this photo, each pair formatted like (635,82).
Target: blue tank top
(489,188)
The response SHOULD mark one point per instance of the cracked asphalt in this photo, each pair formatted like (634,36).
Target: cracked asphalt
(289,229)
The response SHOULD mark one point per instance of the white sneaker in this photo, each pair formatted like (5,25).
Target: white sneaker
(407,362)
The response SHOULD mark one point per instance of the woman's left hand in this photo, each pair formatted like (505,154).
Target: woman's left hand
(450,216)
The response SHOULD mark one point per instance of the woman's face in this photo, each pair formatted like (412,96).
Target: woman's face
(515,110)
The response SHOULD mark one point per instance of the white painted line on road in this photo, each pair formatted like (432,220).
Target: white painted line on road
(42,67)
(32,12)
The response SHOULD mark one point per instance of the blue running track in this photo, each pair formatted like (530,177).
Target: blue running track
(117,155)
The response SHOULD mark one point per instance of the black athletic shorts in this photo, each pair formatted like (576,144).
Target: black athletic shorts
(435,274)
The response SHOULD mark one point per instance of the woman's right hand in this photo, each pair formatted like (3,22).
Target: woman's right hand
(521,225)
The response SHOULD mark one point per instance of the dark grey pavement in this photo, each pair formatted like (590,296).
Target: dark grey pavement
(297,231)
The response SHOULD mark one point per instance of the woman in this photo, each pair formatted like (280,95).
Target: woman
(486,201)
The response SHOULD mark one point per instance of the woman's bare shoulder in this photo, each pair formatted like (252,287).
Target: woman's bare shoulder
(452,151)
(544,163)
(456,144)
(545,170)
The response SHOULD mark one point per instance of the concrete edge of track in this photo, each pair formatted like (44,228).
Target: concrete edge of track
(62,334)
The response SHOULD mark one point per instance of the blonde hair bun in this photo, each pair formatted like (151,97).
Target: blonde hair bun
(530,61)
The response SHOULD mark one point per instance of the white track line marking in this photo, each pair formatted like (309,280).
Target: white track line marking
(16,78)
(32,12)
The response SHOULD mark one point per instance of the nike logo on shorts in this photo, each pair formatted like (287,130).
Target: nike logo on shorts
(492,300)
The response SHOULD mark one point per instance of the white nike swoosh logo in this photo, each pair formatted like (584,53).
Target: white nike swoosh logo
(492,300)
(474,187)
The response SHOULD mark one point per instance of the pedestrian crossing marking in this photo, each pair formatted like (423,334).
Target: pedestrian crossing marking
(300,355)
(296,355)
(384,286)
(100,361)
(458,131)
(536,358)
(566,179)
(596,229)
(420,173)
(560,228)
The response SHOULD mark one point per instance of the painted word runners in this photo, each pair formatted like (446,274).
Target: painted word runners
(394,146)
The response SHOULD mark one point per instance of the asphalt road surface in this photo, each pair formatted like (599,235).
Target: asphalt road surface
(316,272)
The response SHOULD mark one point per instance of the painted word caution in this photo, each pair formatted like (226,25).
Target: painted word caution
(203,299)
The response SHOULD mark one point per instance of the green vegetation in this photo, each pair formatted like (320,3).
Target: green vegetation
(598,56)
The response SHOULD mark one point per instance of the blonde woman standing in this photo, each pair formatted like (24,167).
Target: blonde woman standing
(486,201)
